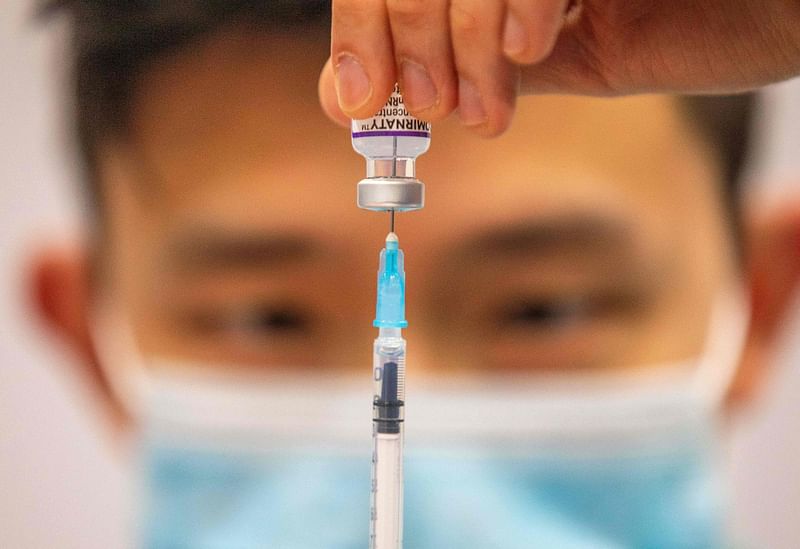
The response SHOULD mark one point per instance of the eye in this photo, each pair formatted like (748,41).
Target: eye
(272,320)
(543,314)
(254,321)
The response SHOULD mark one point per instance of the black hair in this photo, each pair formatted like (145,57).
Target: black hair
(725,123)
(112,40)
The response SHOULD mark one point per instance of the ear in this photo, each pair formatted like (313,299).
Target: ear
(772,252)
(60,285)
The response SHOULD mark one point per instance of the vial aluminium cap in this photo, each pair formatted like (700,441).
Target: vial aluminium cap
(391,193)
(390,142)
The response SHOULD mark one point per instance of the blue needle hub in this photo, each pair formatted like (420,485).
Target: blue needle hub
(391,306)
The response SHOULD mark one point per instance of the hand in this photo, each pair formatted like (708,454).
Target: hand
(476,56)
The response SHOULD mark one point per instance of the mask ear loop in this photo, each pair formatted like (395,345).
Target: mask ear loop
(727,336)
(120,360)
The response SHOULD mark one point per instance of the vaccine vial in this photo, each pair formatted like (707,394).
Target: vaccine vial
(390,142)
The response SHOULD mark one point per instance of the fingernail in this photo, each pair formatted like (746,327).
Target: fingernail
(419,91)
(515,37)
(353,86)
(470,106)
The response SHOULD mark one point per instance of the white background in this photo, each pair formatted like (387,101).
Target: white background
(61,485)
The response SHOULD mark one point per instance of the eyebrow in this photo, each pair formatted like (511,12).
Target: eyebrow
(212,249)
(208,249)
(573,232)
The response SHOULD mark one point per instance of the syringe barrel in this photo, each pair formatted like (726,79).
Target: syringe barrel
(386,524)
(387,457)
(388,375)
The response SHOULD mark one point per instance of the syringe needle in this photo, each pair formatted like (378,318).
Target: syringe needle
(391,223)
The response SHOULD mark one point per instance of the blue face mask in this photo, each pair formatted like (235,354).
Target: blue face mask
(201,499)
(583,462)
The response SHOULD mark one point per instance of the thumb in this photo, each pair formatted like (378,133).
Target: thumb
(328,98)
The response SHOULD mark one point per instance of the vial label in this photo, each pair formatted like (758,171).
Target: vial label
(393,120)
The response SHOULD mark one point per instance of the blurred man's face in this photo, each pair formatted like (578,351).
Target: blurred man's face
(590,236)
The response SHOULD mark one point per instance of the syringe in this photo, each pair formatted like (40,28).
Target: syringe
(388,374)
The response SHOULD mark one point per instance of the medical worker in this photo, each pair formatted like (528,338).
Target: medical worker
(587,298)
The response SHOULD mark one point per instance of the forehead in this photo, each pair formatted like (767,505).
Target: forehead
(230,128)
(217,114)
